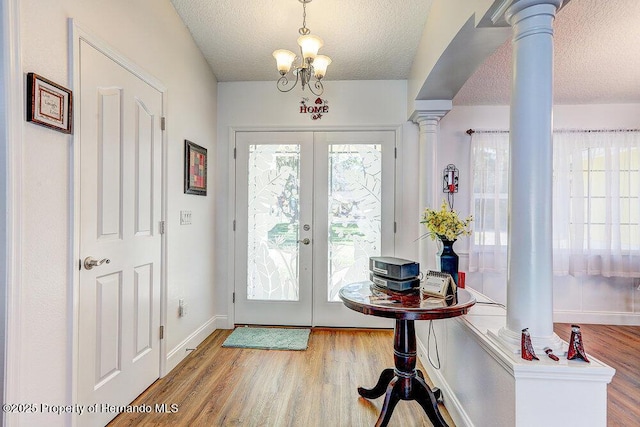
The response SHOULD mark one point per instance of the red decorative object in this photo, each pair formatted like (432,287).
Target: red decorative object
(450,179)
(550,354)
(461,279)
(315,111)
(526,347)
(576,348)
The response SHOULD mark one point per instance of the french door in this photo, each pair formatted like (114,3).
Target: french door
(311,208)
(274,197)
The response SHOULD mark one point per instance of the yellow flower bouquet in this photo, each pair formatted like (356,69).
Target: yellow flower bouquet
(445,224)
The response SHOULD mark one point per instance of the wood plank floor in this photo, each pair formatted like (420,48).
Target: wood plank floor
(218,386)
(619,347)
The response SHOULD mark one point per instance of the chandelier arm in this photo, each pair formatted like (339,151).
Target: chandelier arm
(318,85)
(283,82)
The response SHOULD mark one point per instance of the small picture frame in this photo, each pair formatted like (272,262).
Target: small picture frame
(49,104)
(195,169)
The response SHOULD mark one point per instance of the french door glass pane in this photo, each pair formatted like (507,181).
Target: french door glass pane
(273,219)
(355,212)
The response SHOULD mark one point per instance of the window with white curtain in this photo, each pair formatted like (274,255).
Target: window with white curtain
(596,202)
(490,172)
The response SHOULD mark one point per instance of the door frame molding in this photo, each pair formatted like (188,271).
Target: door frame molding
(78,33)
(11,146)
(231,206)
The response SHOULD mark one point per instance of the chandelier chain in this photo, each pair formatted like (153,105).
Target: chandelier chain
(304,30)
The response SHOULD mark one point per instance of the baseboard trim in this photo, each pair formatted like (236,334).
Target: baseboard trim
(222,322)
(454,407)
(597,318)
(178,353)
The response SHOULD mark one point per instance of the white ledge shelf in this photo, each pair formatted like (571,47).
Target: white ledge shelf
(526,393)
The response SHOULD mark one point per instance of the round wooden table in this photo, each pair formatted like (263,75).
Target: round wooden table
(404,382)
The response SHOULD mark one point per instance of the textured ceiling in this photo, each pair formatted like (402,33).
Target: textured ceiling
(597,44)
(596,58)
(367,40)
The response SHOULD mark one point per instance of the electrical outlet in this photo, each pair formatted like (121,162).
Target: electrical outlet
(185,217)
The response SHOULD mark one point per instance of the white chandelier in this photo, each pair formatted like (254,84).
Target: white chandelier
(311,65)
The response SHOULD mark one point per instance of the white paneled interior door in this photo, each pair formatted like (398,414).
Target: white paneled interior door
(311,208)
(120,212)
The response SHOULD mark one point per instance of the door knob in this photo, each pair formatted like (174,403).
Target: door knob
(89,262)
(305,241)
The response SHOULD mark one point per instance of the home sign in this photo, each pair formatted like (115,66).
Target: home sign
(316,110)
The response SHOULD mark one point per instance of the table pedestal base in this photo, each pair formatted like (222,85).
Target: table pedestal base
(404,382)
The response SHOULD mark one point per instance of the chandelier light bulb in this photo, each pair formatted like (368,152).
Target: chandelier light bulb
(284,59)
(320,65)
(309,45)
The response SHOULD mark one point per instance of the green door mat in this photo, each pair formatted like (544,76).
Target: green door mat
(268,338)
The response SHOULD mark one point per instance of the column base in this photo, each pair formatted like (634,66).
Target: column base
(509,342)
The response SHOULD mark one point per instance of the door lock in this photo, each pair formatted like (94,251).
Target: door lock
(89,262)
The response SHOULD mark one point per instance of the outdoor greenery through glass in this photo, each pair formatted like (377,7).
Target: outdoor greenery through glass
(355,213)
(273,222)
(354,217)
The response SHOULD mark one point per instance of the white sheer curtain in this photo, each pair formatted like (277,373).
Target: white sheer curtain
(490,172)
(596,202)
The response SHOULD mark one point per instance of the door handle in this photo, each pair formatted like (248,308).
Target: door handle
(305,241)
(89,262)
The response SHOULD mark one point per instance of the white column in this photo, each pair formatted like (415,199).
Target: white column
(530,262)
(427,117)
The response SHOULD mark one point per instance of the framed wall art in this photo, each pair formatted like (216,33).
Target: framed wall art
(195,169)
(49,104)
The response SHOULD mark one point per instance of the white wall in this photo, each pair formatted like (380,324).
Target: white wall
(150,33)
(352,105)
(588,299)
